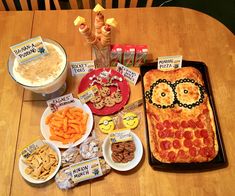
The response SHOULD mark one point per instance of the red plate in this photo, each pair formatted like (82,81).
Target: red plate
(123,86)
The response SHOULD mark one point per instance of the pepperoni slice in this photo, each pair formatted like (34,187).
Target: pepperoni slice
(175,124)
(163,154)
(197,142)
(188,135)
(188,143)
(199,124)
(201,117)
(162,134)
(179,134)
(181,154)
(176,144)
(197,133)
(172,156)
(159,126)
(167,123)
(206,152)
(184,124)
(193,151)
(208,141)
(169,133)
(204,133)
(165,145)
(192,124)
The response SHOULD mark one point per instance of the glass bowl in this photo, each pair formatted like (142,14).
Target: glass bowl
(54,86)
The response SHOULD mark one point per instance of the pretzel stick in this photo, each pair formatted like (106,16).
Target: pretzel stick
(106,35)
(99,22)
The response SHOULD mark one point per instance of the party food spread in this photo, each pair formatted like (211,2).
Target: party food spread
(42,163)
(179,116)
(180,121)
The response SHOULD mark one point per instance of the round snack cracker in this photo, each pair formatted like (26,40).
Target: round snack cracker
(117,96)
(97,98)
(109,102)
(99,105)
(104,91)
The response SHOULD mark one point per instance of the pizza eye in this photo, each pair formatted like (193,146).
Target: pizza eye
(188,93)
(161,94)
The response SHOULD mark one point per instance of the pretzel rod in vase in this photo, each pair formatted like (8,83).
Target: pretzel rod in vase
(106,32)
(99,20)
(102,36)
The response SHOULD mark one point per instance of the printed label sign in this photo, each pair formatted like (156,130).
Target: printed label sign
(134,104)
(82,67)
(88,94)
(58,102)
(29,49)
(31,148)
(169,62)
(86,170)
(120,136)
(130,75)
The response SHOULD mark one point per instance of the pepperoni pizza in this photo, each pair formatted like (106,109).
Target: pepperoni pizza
(179,116)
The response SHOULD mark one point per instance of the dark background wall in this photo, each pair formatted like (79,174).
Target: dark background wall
(222,10)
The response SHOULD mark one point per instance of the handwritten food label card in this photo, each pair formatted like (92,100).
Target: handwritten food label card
(169,62)
(120,136)
(59,102)
(29,49)
(88,94)
(28,150)
(82,67)
(130,75)
(86,170)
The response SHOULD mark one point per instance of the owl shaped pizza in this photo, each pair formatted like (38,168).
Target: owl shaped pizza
(179,116)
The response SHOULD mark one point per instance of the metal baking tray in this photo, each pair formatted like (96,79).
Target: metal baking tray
(220,161)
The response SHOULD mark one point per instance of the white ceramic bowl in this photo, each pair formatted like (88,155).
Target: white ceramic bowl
(45,130)
(23,166)
(123,166)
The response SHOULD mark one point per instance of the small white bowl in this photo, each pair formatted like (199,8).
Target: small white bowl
(23,166)
(107,152)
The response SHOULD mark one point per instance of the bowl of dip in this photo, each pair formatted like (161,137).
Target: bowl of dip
(46,74)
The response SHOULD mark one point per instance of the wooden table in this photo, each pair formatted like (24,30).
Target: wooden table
(166,31)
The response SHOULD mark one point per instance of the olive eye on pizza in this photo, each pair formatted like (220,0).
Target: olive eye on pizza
(161,94)
(179,116)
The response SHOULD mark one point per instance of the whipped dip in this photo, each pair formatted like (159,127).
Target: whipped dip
(43,70)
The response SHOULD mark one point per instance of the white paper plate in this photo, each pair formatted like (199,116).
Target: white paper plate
(123,166)
(23,166)
(45,130)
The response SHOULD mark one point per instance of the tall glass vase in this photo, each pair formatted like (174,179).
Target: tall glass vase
(102,56)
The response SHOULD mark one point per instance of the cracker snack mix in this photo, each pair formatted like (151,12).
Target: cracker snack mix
(42,163)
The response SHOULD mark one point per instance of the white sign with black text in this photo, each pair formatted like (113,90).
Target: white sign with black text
(128,74)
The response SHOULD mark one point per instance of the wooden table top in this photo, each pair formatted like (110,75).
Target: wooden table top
(166,31)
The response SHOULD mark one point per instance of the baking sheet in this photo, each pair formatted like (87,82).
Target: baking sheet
(220,160)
